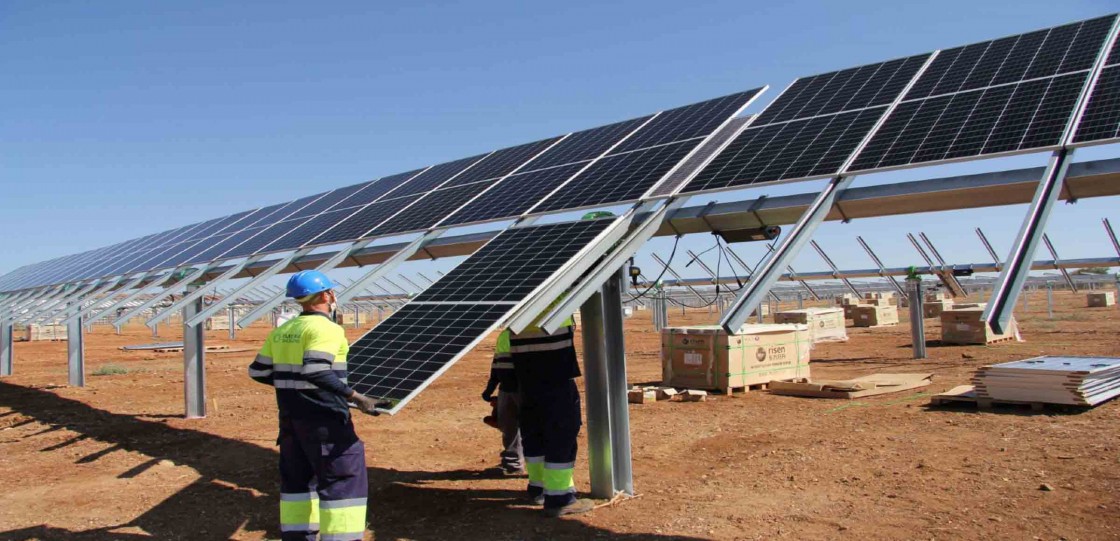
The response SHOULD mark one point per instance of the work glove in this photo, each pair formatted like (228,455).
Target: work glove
(488,397)
(370,405)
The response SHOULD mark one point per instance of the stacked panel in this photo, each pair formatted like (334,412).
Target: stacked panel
(811,129)
(400,356)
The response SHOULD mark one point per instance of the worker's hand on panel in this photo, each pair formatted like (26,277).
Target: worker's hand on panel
(369,405)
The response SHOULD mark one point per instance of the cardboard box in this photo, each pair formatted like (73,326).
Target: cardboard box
(963,326)
(1101,300)
(932,309)
(878,295)
(706,357)
(825,324)
(45,332)
(874,316)
(850,310)
(846,299)
(641,396)
(938,296)
(879,302)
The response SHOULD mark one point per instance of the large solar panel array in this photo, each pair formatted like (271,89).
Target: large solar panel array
(1101,121)
(611,164)
(1008,95)
(401,355)
(811,129)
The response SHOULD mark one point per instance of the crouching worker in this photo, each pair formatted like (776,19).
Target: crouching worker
(506,413)
(323,485)
(546,367)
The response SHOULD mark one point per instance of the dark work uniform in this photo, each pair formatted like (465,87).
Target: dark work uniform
(546,366)
(323,485)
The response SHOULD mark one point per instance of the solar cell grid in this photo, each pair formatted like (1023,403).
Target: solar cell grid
(220,248)
(806,148)
(261,240)
(618,178)
(359,224)
(323,203)
(430,208)
(703,154)
(1101,120)
(587,144)
(844,90)
(501,163)
(514,195)
(435,175)
(514,263)
(695,120)
(414,344)
(1030,115)
(1043,53)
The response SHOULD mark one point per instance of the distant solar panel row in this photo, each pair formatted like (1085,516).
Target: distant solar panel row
(404,353)
(421,199)
(1008,95)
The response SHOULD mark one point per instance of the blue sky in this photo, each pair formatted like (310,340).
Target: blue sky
(125,118)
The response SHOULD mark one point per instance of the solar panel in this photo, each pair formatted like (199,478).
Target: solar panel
(511,266)
(436,175)
(414,345)
(845,90)
(702,155)
(993,120)
(1010,95)
(400,356)
(811,129)
(1101,121)
(643,160)
(501,163)
(587,144)
(359,224)
(430,208)
(515,195)
(618,178)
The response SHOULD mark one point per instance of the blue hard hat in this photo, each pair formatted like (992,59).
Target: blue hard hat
(308,282)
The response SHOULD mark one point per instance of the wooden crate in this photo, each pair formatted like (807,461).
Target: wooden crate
(706,357)
(933,309)
(1102,299)
(874,316)
(963,326)
(825,324)
(37,332)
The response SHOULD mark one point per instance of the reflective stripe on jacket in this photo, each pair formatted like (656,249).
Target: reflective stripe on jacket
(305,360)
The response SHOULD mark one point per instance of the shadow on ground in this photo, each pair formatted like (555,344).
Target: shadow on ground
(238,484)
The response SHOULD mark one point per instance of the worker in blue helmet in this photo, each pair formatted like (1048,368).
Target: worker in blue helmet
(323,485)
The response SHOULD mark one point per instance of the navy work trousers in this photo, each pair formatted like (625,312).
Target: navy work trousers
(323,484)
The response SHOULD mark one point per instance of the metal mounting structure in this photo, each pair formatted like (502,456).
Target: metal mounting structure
(201,290)
(1017,264)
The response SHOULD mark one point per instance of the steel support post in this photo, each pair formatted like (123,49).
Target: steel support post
(617,400)
(600,456)
(1058,263)
(917,317)
(194,360)
(200,292)
(5,345)
(75,348)
(882,268)
(232,315)
(1050,300)
(158,297)
(1018,263)
(770,270)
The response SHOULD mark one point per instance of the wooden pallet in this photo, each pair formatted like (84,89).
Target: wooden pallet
(966,395)
(1008,338)
(177,350)
(745,389)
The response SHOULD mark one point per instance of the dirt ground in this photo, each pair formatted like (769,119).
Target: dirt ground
(116,460)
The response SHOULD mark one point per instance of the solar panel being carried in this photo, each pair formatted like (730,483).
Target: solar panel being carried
(400,356)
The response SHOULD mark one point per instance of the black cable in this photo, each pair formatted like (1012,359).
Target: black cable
(668,262)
